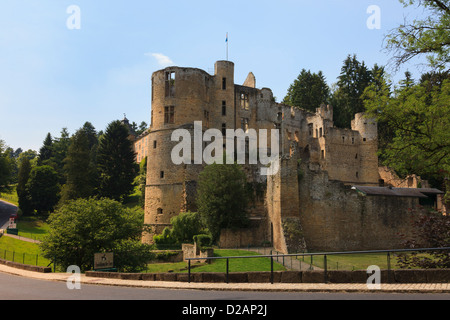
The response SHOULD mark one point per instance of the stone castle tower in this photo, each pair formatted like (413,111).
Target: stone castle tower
(181,96)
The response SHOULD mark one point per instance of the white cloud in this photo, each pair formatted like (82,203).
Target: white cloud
(163,61)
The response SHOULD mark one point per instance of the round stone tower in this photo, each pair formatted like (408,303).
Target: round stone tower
(368,147)
(180,96)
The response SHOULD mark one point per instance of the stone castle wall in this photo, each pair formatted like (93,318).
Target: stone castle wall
(308,202)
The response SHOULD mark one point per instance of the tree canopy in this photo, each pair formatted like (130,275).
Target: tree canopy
(116,162)
(222,198)
(83,227)
(429,37)
(418,116)
(308,91)
(355,76)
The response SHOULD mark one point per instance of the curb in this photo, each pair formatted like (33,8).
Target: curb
(256,287)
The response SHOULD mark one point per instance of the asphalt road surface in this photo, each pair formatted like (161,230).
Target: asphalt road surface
(6,209)
(20,288)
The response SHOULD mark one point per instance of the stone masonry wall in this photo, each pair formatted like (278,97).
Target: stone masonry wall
(336,218)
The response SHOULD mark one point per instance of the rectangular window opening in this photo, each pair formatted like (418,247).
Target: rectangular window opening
(169,115)
(170,84)
(244,101)
(224,108)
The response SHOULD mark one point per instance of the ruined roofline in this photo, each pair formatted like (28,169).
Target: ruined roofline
(182,68)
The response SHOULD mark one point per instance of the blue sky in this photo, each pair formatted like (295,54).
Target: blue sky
(53,77)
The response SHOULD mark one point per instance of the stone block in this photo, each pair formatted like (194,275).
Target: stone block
(410,276)
(359,276)
(313,276)
(438,276)
(148,277)
(238,277)
(130,276)
(171,277)
(183,277)
(263,277)
(340,276)
(213,277)
(291,277)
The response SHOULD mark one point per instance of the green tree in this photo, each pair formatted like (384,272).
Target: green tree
(80,168)
(308,91)
(116,162)
(83,227)
(429,37)
(5,168)
(60,148)
(185,226)
(418,116)
(139,129)
(23,194)
(140,181)
(352,81)
(222,198)
(43,187)
(46,151)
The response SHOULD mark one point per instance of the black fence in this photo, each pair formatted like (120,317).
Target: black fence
(324,254)
(24,258)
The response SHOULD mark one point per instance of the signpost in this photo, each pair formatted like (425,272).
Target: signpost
(12,228)
(12,223)
(104,261)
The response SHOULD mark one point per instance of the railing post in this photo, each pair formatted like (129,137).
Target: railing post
(189,271)
(325,276)
(271,269)
(227,270)
(389,267)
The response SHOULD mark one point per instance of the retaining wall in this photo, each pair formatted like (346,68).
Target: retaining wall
(25,266)
(333,276)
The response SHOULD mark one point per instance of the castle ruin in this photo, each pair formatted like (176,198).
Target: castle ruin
(325,195)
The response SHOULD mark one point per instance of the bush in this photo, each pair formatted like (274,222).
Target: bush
(432,230)
(132,256)
(185,226)
(165,238)
(203,240)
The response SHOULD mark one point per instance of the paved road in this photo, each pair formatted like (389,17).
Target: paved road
(6,209)
(14,287)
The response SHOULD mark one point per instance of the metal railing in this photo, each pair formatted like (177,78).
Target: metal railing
(324,254)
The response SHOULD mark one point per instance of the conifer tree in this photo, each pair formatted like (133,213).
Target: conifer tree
(46,151)
(116,162)
(79,167)
(308,91)
(22,190)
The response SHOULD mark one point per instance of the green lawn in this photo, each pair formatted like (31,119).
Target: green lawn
(11,196)
(21,251)
(219,265)
(32,227)
(353,261)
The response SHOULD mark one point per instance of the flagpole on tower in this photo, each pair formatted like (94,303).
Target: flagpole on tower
(227,45)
